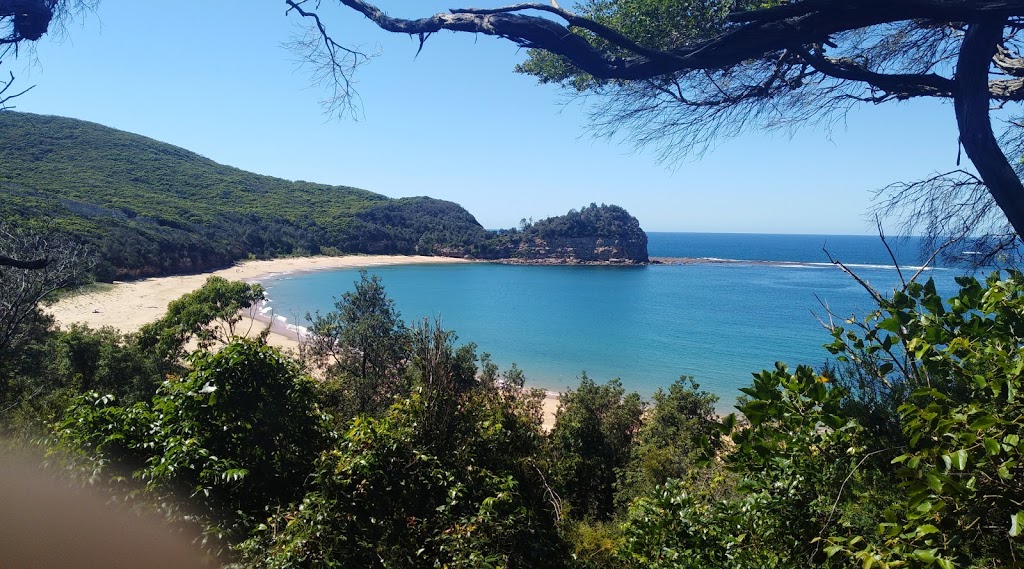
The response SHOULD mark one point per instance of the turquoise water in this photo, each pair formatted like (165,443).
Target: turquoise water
(646,325)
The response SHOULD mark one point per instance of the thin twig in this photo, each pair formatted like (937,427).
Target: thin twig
(839,495)
(874,293)
(881,235)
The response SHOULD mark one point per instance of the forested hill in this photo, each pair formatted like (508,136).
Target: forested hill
(149,208)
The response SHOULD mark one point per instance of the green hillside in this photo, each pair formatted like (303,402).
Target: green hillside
(150,208)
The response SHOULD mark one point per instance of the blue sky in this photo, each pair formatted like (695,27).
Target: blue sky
(454,123)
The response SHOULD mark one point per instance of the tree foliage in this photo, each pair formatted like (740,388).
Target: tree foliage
(591,442)
(446,477)
(207,315)
(959,470)
(225,446)
(22,289)
(360,347)
(682,74)
(678,431)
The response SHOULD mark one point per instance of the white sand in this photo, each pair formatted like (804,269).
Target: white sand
(127,306)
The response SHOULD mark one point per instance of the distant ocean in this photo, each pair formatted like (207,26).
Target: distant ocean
(716,321)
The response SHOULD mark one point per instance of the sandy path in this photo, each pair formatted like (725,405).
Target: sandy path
(127,306)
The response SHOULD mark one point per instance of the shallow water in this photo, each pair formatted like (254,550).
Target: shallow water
(646,325)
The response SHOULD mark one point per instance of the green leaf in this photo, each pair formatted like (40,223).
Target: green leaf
(983,422)
(926,555)
(926,530)
(991,446)
(890,324)
(832,550)
(960,459)
(1015,523)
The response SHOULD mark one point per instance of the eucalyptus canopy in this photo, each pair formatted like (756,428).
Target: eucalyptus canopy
(681,73)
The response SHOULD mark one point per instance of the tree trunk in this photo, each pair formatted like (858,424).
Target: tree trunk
(971,101)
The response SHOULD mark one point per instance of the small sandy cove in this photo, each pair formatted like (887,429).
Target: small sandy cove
(129,305)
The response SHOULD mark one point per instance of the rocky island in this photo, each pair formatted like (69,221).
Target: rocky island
(596,234)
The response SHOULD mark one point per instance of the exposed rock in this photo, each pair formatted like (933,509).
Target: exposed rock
(603,235)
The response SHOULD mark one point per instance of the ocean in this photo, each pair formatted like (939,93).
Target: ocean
(761,300)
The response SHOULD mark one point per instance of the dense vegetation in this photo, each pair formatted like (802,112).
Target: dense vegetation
(410,450)
(148,208)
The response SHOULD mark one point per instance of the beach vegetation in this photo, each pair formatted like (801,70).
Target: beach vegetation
(446,477)
(220,448)
(207,315)
(679,430)
(591,443)
(241,449)
(359,348)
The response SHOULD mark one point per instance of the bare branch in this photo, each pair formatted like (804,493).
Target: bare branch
(903,86)
(875,295)
(22,288)
(885,242)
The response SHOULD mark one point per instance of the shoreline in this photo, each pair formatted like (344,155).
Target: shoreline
(127,306)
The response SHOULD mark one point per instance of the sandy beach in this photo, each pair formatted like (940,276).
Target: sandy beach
(127,306)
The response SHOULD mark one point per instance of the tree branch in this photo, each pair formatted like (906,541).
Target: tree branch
(758,34)
(901,86)
(1008,63)
(610,35)
(32,265)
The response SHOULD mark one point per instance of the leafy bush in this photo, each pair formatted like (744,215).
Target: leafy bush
(962,485)
(226,445)
(591,442)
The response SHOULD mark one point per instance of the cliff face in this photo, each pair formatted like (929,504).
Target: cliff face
(580,250)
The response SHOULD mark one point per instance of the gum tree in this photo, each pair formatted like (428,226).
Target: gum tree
(683,73)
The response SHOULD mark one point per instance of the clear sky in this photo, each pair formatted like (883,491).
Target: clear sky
(454,123)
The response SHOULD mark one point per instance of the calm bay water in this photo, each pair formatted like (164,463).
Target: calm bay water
(718,322)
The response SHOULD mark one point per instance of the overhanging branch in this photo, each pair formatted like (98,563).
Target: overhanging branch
(901,86)
(750,35)
(18,264)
